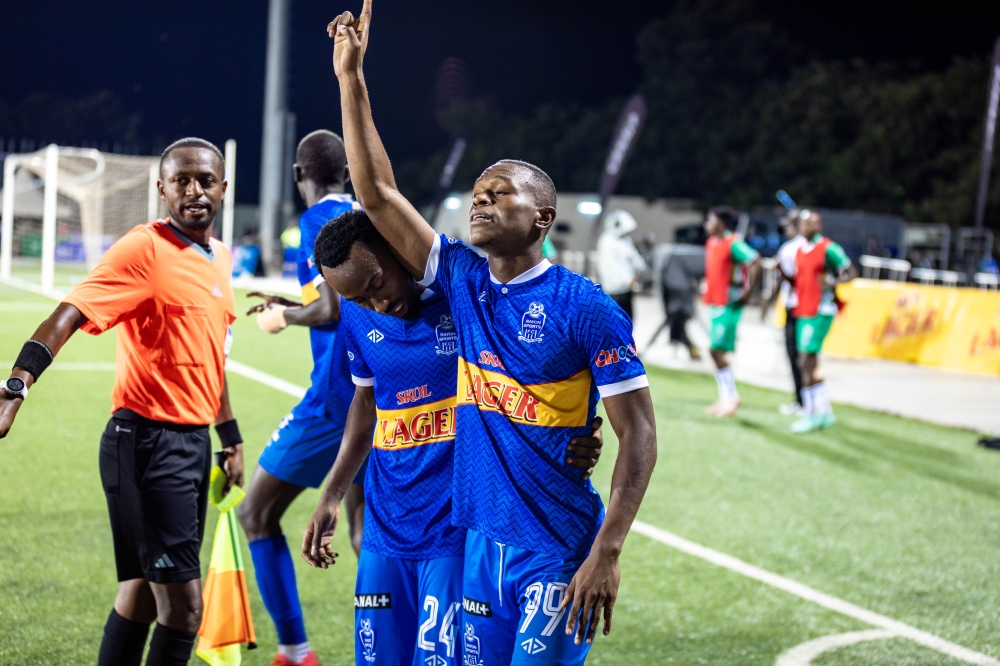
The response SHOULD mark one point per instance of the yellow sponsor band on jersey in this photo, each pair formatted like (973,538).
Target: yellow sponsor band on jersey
(561,404)
(416,426)
(309,293)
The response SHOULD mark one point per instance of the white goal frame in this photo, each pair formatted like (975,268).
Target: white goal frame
(49,160)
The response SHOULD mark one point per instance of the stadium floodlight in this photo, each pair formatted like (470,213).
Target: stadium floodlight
(589,208)
(452,203)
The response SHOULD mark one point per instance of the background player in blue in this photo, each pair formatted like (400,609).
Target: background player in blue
(537,345)
(306,442)
(408,591)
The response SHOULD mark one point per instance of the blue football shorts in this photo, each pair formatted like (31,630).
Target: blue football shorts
(303,448)
(511,612)
(407,612)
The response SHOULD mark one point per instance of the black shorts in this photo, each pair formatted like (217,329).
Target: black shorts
(155,476)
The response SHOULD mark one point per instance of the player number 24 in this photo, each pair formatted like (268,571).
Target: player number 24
(448,625)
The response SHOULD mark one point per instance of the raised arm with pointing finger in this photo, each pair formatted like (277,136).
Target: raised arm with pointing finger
(536,346)
(374,185)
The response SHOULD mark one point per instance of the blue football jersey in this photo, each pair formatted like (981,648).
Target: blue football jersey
(412,364)
(329,394)
(534,354)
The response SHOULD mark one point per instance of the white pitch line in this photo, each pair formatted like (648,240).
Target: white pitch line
(74,365)
(815,596)
(266,379)
(803,654)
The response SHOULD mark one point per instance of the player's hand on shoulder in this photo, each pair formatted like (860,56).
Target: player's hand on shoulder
(317,541)
(586,451)
(591,594)
(350,39)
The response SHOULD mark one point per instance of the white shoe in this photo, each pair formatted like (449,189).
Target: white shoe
(791,409)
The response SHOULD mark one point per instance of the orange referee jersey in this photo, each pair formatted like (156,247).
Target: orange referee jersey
(172,302)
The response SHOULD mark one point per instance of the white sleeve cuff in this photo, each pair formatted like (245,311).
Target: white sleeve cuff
(363,381)
(319,279)
(625,386)
(433,261)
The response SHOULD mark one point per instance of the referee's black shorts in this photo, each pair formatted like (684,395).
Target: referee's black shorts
(155,477)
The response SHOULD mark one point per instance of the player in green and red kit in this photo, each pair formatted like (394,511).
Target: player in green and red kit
(820,265)
(732,269)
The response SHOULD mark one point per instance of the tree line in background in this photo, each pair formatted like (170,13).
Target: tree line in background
(736,112)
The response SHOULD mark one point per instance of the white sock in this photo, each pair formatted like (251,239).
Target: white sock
(809,400)
(295,652)
(821,399)
(727,384)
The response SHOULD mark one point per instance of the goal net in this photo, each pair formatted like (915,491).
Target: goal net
(66,206)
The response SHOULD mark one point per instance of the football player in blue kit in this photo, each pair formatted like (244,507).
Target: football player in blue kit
(403,350)
(537,346)
(305,444)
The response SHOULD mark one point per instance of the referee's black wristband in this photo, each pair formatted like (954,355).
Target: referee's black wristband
(229,433)
(35,356)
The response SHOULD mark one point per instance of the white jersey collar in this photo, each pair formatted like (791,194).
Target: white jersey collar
(345,197)
(529,274)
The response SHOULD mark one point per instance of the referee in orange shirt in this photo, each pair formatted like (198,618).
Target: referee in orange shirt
(167,287)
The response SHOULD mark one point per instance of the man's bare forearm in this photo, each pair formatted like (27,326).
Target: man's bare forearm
(354,446)
(374,184)
(631,416)
(54,332)
(324,310)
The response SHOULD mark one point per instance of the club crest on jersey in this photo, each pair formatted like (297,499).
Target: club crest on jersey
(532,323)
(447,336)
(367,636)
(472,655)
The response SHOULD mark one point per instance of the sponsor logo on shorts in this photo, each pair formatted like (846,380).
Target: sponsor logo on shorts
(608,356)
(367,636)
(473,607)
(472,654)
(377,601)
(533,646)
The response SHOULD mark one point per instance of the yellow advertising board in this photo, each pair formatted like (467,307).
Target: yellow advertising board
(957,329)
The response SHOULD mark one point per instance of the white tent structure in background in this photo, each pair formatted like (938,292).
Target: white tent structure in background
(90,198)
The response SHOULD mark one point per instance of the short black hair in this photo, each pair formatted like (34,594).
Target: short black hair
(322,157)
(338,236)
(191,142)
(729,216)
(539,181)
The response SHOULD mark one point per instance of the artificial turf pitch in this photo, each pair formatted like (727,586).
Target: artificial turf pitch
(895,515)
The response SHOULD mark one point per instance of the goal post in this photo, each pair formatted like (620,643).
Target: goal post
(66,206)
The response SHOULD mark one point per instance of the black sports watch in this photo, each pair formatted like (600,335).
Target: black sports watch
(15,386)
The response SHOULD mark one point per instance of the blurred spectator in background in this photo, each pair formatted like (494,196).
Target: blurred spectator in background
(619,263)
(679,269)
(290,239)
(786,267)
(549,250)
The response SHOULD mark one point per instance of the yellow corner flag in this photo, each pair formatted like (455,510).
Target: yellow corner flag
(226,620)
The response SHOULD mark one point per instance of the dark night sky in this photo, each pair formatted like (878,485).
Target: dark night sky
(199,69)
